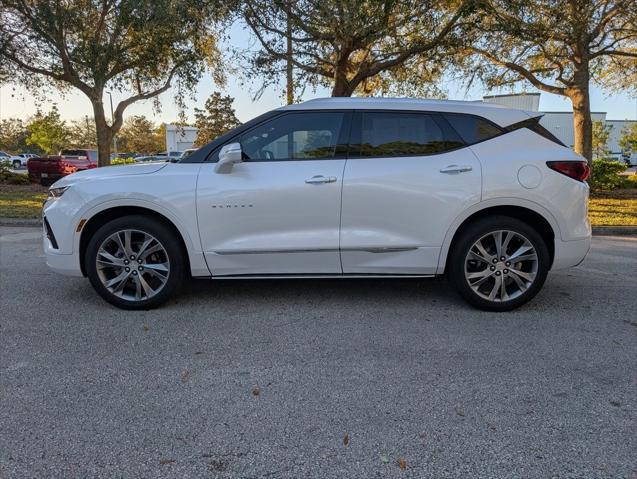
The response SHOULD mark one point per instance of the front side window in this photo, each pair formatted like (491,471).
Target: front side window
(294,136)
(386,134)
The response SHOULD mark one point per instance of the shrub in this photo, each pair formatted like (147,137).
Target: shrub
(8,178)
(605,174)
(122,161)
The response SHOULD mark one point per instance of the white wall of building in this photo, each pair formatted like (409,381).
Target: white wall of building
(616,132)
(517,101)
(180,138)
(560,123)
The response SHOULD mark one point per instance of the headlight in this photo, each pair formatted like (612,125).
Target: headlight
(55,193)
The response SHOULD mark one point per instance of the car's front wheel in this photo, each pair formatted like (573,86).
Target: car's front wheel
(135,262)
(17,164)
(498,263)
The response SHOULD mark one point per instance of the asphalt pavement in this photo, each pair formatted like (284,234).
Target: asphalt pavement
(318,378)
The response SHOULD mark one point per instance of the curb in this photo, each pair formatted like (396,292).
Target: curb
(597,230)
(615,231)
(20,222)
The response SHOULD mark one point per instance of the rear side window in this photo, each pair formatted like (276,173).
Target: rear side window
(472,129)
(533,124)
(92,155)
(387,134)
(73,153)
(294,136)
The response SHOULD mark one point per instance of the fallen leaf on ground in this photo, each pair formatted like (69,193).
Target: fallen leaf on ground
(346,439)
(256,391)
(402,464)
(185,375)
(384,459)
(166,461)
(146,327)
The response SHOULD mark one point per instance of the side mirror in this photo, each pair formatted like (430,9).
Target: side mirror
(228,156)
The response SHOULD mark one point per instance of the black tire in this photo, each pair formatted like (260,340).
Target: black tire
(171,244)
(469,235)
(17,165)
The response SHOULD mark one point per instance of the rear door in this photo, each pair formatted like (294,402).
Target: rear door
(279,210)
(408,176)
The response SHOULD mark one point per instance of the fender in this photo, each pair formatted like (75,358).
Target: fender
(502,201)
(198,265)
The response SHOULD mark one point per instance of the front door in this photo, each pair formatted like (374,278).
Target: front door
(407,178)
(278,211)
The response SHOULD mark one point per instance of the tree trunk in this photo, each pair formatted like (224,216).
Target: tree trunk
(582,121)
(104,135)
(341,87)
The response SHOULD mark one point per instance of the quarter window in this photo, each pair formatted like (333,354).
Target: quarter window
(386,134)
(472,129)
(294,136)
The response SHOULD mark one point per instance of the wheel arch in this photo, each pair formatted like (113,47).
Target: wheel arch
(108,214)
(534,215)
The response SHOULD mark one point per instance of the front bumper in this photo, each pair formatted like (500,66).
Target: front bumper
(60,239)
(67,264)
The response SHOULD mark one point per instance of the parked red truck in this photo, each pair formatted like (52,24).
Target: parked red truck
(47,169)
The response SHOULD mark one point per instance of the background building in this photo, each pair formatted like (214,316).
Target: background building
(180,138)
(560,123)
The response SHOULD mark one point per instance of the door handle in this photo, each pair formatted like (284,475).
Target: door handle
(451,169)
(318,179)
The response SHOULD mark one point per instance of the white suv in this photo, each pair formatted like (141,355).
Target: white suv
(337,187)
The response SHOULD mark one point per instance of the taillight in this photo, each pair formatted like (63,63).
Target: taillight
(578,170)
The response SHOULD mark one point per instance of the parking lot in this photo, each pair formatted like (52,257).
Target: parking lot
(318,378)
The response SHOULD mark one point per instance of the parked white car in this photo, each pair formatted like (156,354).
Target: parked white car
(20,160)
(338,187)
(630,159)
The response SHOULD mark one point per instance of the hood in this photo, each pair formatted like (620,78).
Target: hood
(111,171)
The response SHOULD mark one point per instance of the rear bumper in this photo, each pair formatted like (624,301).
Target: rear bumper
(37,176)
(570,253)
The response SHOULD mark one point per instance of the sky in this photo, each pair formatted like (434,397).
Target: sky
(15,101)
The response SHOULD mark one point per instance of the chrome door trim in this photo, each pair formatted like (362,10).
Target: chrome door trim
(319,250)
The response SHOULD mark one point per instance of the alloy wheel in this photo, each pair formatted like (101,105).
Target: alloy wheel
(132,265)
(501,265)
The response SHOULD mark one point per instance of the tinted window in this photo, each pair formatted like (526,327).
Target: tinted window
(533,124)
(294,136)
(472,129)
(385,134)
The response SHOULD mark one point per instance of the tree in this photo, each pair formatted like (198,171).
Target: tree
(347,44)
(13,136)
(48,132)
(628,140)
(215,119)
(601,133)
(559,46)
(137,47)
(82,134)
(140,135)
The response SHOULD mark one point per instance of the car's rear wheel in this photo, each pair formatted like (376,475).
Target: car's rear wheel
(498,263)
(17,164)
(135,262)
